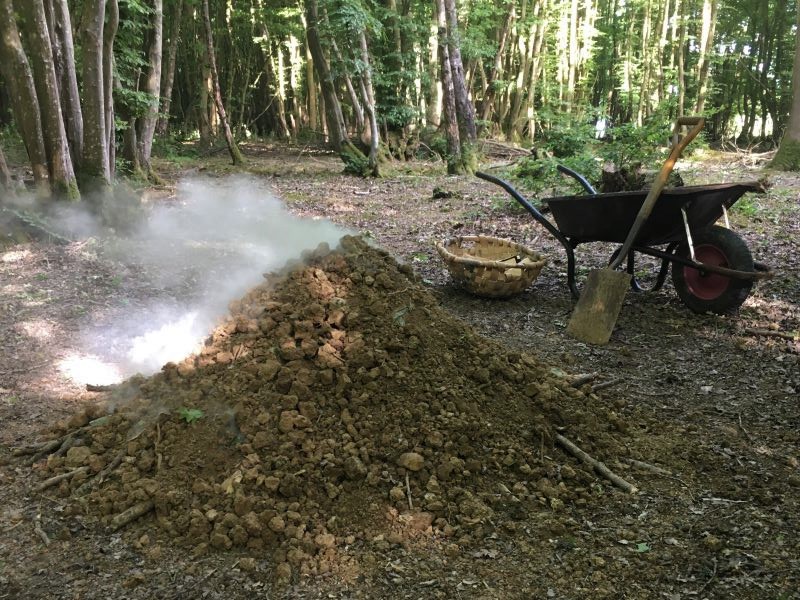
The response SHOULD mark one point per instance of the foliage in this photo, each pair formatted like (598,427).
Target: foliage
(190,415)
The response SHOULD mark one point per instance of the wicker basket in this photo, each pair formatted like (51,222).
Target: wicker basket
(490,267)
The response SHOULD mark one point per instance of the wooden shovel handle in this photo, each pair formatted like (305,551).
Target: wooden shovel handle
(696,124)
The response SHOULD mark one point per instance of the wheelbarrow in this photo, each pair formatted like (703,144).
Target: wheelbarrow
(712,267)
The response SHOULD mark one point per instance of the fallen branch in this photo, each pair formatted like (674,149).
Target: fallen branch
(47,483)
(606,384)
(131,514)
(100,477)
(597,465)
(48,447)
(647,467)
(583,379)
(408,493)
(784,335)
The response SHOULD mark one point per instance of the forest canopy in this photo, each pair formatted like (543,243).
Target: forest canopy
(90,86)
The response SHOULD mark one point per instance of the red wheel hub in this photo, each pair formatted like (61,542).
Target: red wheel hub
(707,286)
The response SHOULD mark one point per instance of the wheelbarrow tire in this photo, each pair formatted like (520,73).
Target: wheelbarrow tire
(709,292)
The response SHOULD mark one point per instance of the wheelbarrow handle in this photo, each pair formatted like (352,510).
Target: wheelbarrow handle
(696,124)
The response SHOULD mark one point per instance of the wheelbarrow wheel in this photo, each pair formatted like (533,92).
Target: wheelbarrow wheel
(710,292)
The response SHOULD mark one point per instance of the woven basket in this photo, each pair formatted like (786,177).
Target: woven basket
(490,267)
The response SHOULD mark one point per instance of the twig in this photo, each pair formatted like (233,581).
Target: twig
(785,335)
(100,477)
(48,447)
(408,493)
(606,384)
(131,514)
(90,387)
(746,433)
(42,535)
(583,379)
(59,478)
(647,467)
(597,465)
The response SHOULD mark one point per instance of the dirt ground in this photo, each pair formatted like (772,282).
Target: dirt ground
(699,412)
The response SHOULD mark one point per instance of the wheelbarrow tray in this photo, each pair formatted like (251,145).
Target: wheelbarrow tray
(609,217)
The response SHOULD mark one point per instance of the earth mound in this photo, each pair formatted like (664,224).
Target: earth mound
(338,403)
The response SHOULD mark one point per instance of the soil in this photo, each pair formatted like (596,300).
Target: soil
(360,427)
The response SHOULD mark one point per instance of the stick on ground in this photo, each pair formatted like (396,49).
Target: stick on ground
(130,515)
(596,465)
(59,478)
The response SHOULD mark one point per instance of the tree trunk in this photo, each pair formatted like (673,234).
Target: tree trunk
(433,95)
(6,183)
(233,149)
(337,135)
(454,163)
(146,124)
(95,164)
(706,48)
(311,91)
(788,156)
(490,90)
(64,58)
(169,75)
(369,106)
(109,33)
(466,112)
(18,76)
(62,173)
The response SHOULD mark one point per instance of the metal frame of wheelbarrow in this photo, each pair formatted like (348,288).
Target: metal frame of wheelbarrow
(670,233)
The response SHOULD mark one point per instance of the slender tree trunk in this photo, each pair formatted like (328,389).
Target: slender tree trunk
(311,91)
(236,155)
(6,183)
(681,60)
(454,163)
(95,163)
(369,106)
(358,111)
(466,112)
(64,58)
(706,48)
(18,75)
(337,135)
(62,173)
(169,75)
(109,33)
(146,124)
(433,95)
(205,105)
(490,90)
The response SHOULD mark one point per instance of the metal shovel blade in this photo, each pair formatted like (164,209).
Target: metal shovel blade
(599,306)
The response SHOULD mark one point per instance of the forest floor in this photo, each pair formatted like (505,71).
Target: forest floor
(709,404)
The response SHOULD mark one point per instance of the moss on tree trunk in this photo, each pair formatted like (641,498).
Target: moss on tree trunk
(787,158)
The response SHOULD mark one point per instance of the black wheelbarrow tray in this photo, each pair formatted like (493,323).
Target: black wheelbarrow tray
(712,267)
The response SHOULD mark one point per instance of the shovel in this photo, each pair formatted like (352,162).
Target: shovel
(598,307)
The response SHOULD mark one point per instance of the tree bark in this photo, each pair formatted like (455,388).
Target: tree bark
(152,87)
(64,57)
(109,34)
(169,75)
(95,163)
(369,106)
(788,155)
(18,75)
(466,112)
(6,183)
(490,89)
(337,135)
(454,163)
(62,173)
(706,45)
(233,149)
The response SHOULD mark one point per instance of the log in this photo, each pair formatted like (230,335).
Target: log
(59,478)
(131,514)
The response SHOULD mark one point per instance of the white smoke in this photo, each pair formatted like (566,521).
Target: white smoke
(200,252)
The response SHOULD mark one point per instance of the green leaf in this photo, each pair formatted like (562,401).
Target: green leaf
(190,415)
(642,547)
